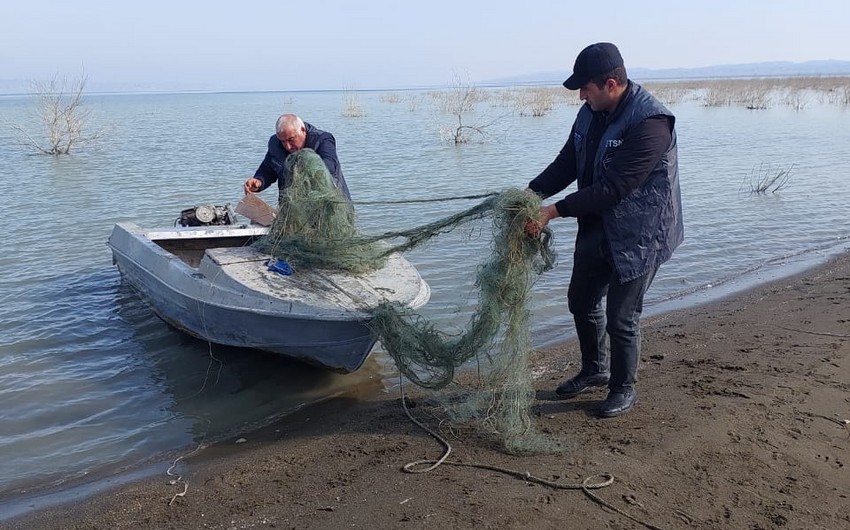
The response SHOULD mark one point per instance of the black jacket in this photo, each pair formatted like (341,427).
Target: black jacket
(627,170)
(322,142)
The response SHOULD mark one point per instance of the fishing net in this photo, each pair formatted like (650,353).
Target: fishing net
(315,227)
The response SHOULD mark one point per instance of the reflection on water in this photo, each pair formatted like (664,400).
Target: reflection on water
(92,382)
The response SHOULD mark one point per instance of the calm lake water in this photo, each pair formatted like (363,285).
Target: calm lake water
(93,384)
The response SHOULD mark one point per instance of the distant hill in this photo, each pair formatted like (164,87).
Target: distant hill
(23,86)
(768,69)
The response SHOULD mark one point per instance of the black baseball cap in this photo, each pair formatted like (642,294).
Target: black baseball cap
(596,59)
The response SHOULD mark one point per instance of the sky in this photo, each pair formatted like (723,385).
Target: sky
(359,44)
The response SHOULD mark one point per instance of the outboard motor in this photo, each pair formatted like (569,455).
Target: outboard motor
(206,215)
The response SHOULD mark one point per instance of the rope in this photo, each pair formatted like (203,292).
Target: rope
(434,463)
(179,478)
(436,199)
(592,482)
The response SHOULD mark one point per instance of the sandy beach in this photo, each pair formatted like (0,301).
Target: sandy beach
(740,424)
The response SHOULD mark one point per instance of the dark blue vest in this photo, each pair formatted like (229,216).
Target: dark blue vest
(645,228)
(316,140)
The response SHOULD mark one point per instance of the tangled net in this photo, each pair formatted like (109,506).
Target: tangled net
(315,227)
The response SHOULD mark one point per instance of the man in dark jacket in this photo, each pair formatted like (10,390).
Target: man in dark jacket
(622,153)
(292,134)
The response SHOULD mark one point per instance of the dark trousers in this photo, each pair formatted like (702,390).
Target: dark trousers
(593,279)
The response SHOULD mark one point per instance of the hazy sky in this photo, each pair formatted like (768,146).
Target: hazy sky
(280,45)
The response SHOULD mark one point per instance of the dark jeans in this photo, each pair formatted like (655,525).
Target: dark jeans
(594,278)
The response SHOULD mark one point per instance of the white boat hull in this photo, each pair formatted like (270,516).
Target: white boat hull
(196,280)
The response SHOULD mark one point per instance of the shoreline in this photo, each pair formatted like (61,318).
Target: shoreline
(737,425)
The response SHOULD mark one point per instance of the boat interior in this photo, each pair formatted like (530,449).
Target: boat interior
(191,250)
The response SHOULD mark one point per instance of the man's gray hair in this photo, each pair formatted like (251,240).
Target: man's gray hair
(288,121)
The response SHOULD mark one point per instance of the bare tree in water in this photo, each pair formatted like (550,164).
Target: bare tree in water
(459,101)
(59,110)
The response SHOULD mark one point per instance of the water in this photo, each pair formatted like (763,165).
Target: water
(91,383)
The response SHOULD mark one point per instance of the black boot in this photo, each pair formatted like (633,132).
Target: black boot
(618,402)
(582,383)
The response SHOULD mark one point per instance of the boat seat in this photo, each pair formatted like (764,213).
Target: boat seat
(231,255)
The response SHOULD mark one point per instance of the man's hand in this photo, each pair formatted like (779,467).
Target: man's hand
(534,227)
(252,185)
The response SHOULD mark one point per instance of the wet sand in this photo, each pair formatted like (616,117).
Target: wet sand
(740,424)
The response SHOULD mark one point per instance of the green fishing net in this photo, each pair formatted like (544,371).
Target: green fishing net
(315,227)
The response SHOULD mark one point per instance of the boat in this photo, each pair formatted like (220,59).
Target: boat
(208,281)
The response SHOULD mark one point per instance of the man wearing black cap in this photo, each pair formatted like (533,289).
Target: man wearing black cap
(622,153)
